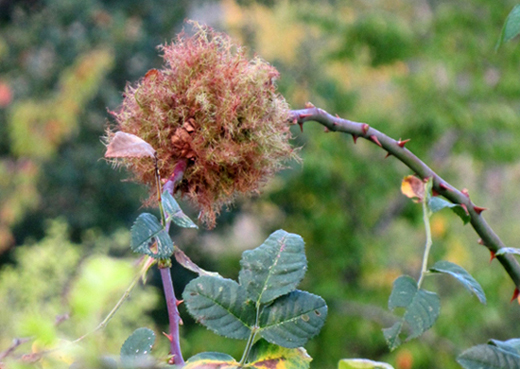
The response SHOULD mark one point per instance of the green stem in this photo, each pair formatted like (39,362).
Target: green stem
(396,148)
(251,338)
(427,247)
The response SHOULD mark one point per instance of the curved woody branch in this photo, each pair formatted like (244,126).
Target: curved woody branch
(396,148)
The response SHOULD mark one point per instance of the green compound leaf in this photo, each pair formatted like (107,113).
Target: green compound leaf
(462,276)
(136,349)
(210,360)
(174,212)
(362,364)
(221,305)
(421,309)
(494,355)
(291,320)
(511,27)
(146,231)
(274,268)
(436,204)
(268,356)
(508,250)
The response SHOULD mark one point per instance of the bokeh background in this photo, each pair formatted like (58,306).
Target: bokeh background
(423,69)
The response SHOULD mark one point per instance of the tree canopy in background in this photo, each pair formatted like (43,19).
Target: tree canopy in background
(424,70)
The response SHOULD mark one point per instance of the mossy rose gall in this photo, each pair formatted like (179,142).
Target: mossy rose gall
(213,109)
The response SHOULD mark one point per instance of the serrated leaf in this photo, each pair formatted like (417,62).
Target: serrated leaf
(462,276)
(127,145)
(221,305)
(174,212)
(147,231)
(136,349)
(362,364)
(274,268)
(392,335)
(436,204)
(291,320)
(489,357)
(511,27)
(265,355)
(508,250)
(421,307)
(210,360)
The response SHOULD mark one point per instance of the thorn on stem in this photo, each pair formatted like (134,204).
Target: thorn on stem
(365,127)
(402,143)
(481,242)
(493,255)
(375,140)
(301,126)
(465,192)
(478,209)
(443,187)
(354,137)
(387,155)
(326,130)
(434,192)
(169,336)
(309,105)
(178,302)
(465,208)
(515,295)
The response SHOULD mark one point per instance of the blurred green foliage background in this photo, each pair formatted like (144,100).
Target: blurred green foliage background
(422,69)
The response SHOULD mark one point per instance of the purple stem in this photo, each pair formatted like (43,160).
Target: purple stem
(169,293)
(173,315)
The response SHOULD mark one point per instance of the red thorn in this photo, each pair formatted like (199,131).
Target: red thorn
(169,336)
(434,192)
(493,255)
(465,208)
(171,361)
(309,105)
(402,143)
(443,187)
(295,121)
(326,130)
(465,192)
(365,127)
(387,155)
(178,302)
(337,116)
(181,322)
(426,179)
(301,126)
(481,242)
(515,294)
(374,138)
(354,137)
(334,123)
(478,209)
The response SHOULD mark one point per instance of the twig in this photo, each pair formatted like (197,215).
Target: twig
(396,148)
